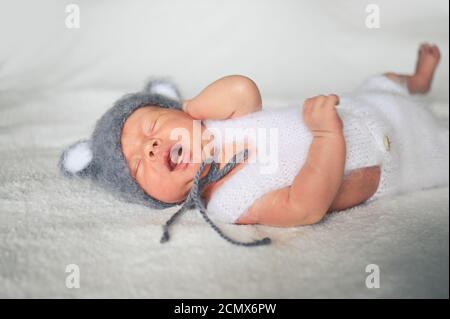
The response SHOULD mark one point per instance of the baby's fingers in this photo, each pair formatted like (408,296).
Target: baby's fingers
(332,101)
(307,106)
(309,103)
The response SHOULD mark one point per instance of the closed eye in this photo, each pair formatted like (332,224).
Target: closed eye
(150,128)
(154,124)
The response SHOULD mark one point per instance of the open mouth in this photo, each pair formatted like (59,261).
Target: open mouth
(177,157)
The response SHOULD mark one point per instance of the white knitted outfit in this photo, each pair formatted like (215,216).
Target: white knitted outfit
(383,125)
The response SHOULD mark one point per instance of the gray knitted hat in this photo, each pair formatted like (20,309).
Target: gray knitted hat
(101,158)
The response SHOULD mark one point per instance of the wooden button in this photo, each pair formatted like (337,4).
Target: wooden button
(387,143)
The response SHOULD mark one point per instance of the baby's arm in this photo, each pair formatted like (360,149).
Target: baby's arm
(229,97)
(315,187)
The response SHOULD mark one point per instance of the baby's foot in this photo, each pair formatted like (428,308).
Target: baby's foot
(428,59)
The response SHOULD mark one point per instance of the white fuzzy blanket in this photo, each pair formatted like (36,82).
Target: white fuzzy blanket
(48,222)
(55,82)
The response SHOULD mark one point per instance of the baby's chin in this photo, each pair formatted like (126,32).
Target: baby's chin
(185,180)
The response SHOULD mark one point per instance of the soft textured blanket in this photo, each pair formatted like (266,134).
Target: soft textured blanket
(48,222)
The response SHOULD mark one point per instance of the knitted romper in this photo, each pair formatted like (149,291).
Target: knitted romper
(383,126)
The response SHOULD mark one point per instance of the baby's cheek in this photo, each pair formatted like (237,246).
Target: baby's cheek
(172,189)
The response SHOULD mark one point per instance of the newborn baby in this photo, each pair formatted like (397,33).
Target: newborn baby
(333,152)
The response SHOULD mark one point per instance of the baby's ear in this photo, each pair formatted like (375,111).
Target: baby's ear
(163,87)
(75,160)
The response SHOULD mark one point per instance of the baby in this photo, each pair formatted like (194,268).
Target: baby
(333,152)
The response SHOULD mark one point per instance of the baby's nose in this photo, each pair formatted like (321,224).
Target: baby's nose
(153,148)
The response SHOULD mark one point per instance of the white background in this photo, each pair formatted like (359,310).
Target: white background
(292,49)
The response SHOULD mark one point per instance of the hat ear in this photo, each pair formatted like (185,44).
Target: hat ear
(163,87)
(76,158)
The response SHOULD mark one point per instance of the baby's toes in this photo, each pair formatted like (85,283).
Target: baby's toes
(430,49)
(423,48)
(435,52)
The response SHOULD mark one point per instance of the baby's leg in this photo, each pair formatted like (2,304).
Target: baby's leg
(427,61)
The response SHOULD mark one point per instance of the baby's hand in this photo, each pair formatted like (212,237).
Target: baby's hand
(321,117)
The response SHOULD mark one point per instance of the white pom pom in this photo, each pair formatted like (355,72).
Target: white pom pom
(164,88)
(77,157)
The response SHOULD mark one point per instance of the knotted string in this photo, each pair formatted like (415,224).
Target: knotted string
(194,199)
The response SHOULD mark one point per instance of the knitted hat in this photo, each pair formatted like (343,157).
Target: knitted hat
(101,159)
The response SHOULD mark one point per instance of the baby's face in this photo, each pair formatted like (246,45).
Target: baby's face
(150,151)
